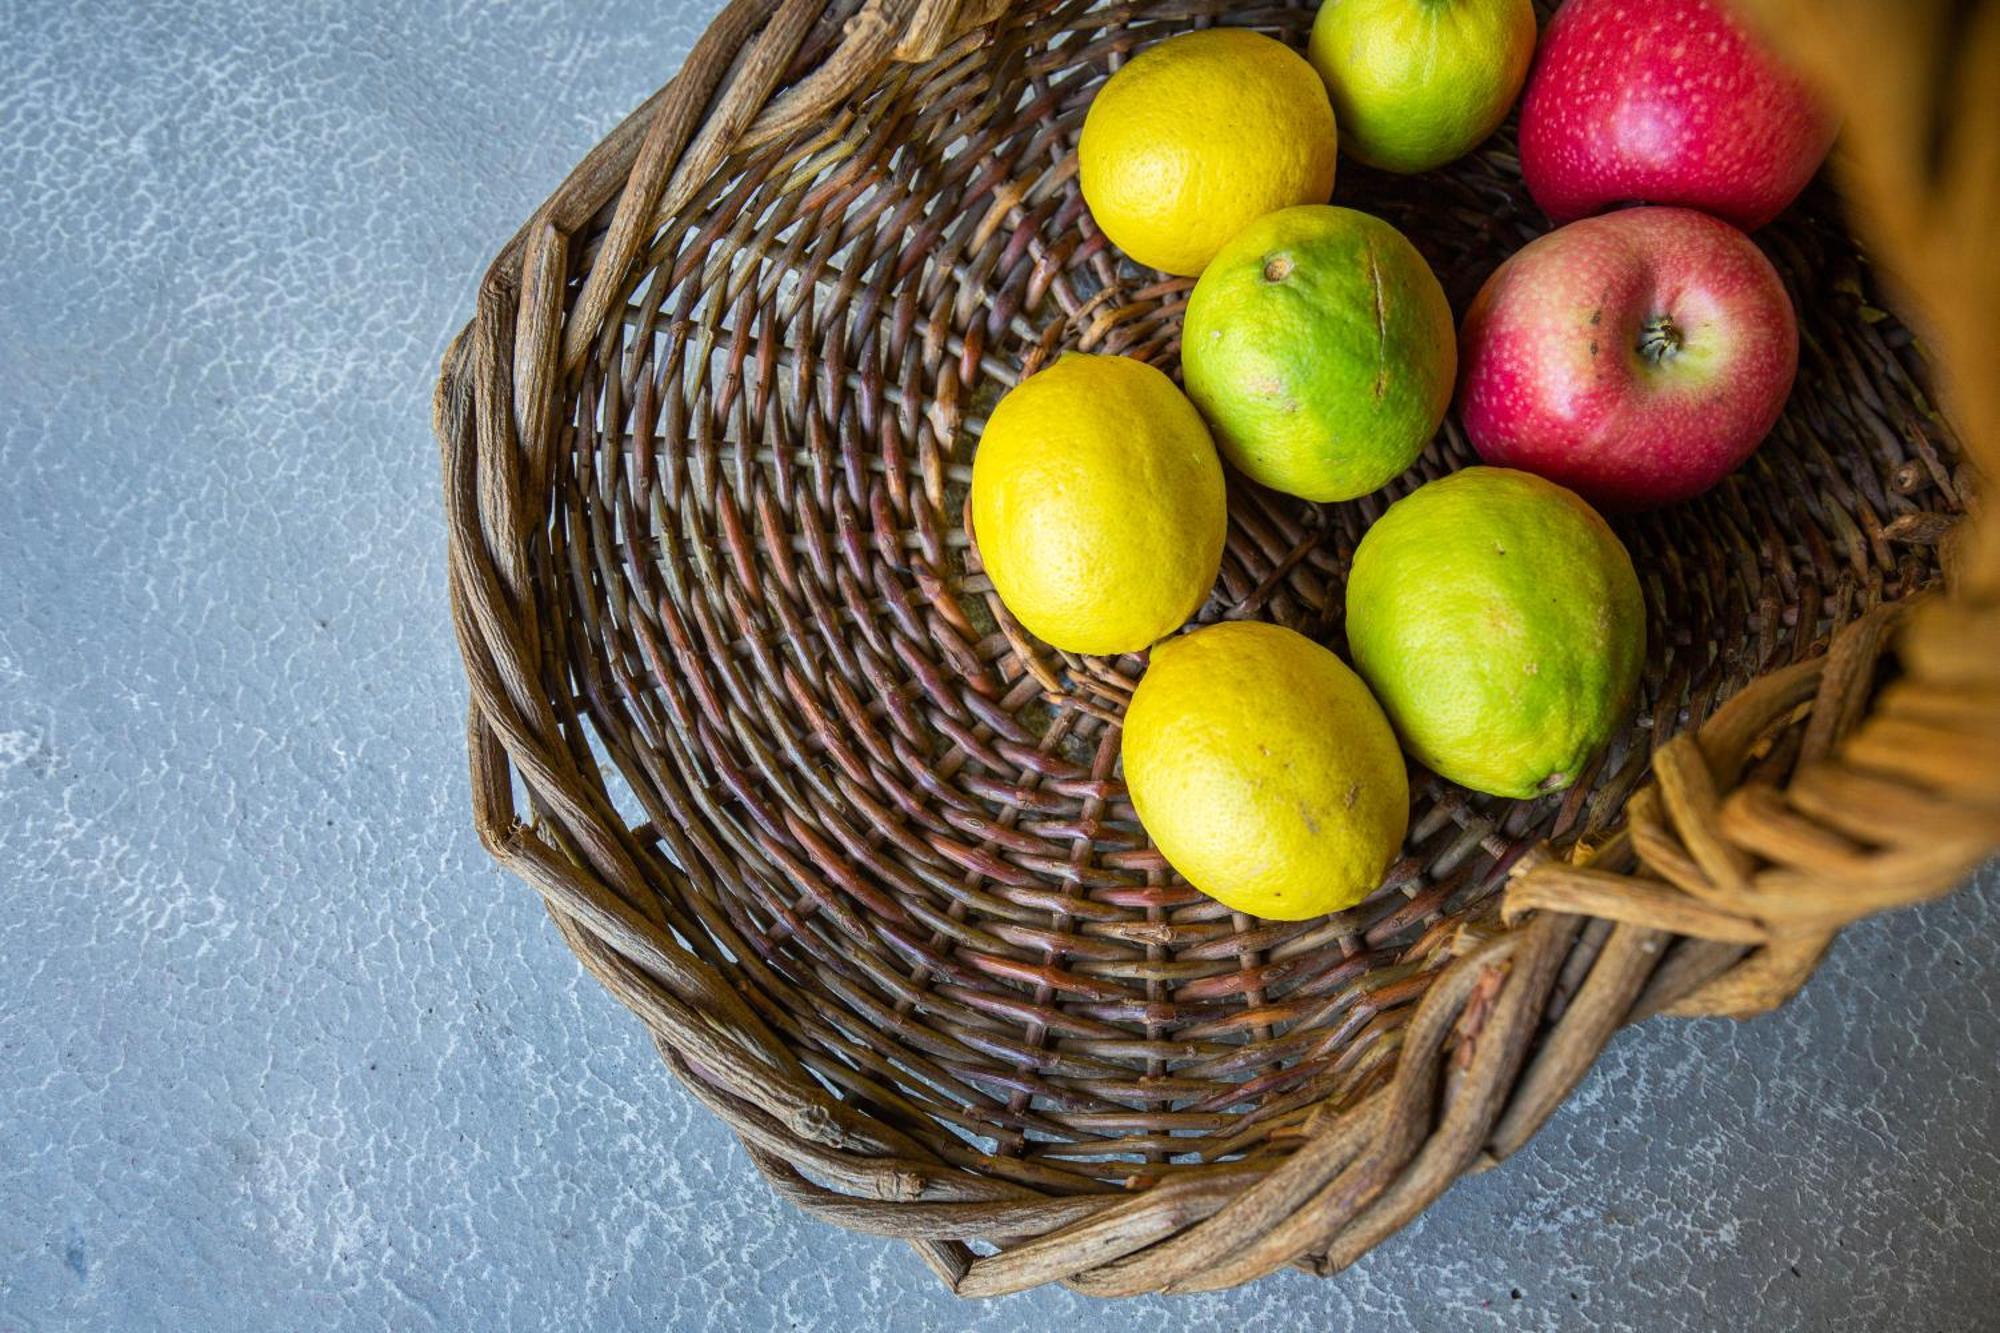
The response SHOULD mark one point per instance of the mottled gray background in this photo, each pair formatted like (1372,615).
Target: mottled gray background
(279,1049)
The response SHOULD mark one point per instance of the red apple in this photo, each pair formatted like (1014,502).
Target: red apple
(1666,102)
(1636,358)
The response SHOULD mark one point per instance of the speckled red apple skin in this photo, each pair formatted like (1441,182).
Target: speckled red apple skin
(1552,380)
(1666,102)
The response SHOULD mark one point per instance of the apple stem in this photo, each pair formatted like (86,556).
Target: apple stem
(1659,339)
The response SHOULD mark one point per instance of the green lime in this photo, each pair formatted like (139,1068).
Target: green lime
(1416,83)
(1321,349)
(1500,624)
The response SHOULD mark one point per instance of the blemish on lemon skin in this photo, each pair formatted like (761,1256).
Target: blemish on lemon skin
(1353,795)
(1277,268)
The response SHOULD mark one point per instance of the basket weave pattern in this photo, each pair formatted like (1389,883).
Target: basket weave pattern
(854,846)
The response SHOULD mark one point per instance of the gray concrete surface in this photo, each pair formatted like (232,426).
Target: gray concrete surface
(280,1050)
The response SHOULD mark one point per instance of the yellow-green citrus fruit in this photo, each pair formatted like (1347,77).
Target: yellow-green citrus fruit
(1499,621)
(1417,83)
(1264,771)
(1197,136)
(1321,349)
(1097,503)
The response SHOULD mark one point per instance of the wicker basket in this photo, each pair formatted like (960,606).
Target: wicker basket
(795,788)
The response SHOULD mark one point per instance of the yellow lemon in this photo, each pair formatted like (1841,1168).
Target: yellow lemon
(1264,771)
(1199,135)
(1097,503)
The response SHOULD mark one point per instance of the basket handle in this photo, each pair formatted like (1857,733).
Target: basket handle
(1764,870)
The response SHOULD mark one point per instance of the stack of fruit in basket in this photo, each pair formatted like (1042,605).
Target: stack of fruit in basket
(1632,357)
